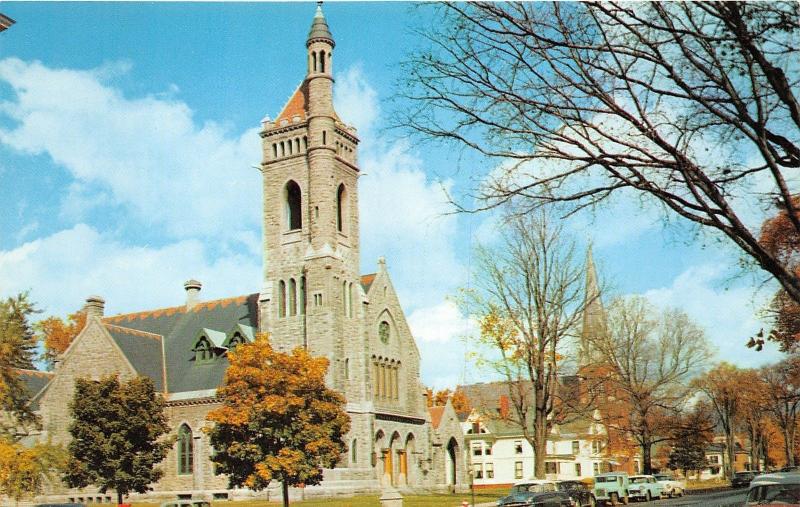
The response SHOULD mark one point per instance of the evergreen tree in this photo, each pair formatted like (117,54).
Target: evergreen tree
(17,350)
(691,435)
(117,432)
(278,420)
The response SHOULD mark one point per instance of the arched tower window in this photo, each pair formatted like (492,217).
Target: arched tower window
(292,297)
(314,61)
(350,298)
(322,61)
(236,340)
(302,298)
(297,145)
(293,206)
(281,299)
(185,451)
(347,369)
(354,452)
(340,207)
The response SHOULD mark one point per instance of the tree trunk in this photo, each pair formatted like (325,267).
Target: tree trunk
(731,452)
(787,447)
(285,489)
(539,445)
(119,497)
(647,467)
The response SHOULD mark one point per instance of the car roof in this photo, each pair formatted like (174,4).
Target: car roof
(776,478)
(611,474)
(534,481)
(639,476)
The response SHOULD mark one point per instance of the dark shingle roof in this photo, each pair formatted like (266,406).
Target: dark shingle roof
(144,351)
(35,381)
(179,328)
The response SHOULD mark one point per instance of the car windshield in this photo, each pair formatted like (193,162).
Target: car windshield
(638,480)
(781,494)
(663,477)
(531,488)
(613,478)
(570,485)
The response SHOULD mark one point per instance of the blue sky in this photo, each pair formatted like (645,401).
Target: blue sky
(128,133)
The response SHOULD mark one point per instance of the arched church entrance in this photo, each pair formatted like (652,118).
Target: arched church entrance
(404,455)
(383,463)
(393,465)
(451,462)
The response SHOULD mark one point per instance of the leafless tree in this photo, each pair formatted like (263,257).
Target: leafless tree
(648,359)
(528,294)
(783,390)
(694,105)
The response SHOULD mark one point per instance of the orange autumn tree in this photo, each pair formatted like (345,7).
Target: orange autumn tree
(57,334)
(278,420)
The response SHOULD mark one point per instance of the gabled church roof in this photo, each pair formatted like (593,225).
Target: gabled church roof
(366,281)
(160,343)
(297,106)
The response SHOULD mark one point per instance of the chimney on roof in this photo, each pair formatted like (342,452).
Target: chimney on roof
(95,306)
(192,293)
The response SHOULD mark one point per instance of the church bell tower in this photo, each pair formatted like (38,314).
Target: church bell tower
(311,295)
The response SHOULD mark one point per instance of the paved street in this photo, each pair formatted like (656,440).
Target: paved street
(716,499)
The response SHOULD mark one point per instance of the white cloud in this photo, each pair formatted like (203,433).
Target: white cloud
(133,151)
(728,314)
(403,213)
(61,270)
(441,323)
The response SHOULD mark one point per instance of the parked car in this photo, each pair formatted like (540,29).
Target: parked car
(579,492)
(186,503)
(611,487)
(742,479)
(672,486)
(781,488)
(644,487)
(535,493)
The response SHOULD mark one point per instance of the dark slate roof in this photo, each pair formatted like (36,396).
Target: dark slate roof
(180,328)
(319,27)
(35,381)
(144,351)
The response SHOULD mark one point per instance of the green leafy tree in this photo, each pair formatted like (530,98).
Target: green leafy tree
(17,350)
(117,432)
(278,420)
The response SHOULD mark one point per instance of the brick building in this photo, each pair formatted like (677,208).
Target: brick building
(312,295)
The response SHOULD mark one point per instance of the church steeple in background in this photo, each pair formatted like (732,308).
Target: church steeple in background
(594,316)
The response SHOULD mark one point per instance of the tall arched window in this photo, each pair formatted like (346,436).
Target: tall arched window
(340,207)
(354,452)
(203,352)
(293,206)
(302,297)
(314,60)
(384,331)
(292,297)
(281,299)
(347,368)
(350,298)
(322,61)
(344,298)
(185,451)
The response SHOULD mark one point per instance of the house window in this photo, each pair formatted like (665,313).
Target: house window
(596,468)
(518,447)
(489,469)
(576,447)
(714,458)
(477,451)
(477,469)
(550,467)
(185,451)
(518,470)
(236,340)
(488,450)
(595,446)
(577,470)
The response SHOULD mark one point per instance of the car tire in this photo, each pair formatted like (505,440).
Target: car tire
(625,500)
(592,501)
(648,497)
(614,499)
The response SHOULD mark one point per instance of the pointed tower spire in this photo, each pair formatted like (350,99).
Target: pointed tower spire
(319,28)
(594,317)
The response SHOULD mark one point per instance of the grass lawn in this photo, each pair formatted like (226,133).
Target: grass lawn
(430,500)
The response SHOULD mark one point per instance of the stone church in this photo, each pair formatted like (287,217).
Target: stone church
(313,295)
